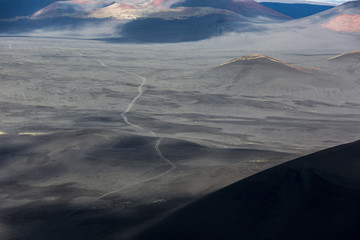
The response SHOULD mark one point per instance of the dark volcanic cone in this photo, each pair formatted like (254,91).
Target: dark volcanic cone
(262,62)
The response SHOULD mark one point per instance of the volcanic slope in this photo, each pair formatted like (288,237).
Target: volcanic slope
(345,18)
(260,71)
(291,86)
(312,197)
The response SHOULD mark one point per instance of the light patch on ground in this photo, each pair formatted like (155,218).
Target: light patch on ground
(258,161)
(34,133)
(3,133)
(159,201)
(314,68)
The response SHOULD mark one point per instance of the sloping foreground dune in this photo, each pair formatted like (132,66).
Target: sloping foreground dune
(312,197)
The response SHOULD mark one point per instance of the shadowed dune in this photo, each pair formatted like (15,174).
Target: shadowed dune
(313,197)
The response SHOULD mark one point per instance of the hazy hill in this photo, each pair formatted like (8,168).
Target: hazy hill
(343,18)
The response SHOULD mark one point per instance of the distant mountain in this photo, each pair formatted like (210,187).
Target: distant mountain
(148,21)
(134,10)
(346,18)
(343,18)
(312,197)
(14,8)
(247,8)
(103,9)
(296,10)
(186,20)
(123,11)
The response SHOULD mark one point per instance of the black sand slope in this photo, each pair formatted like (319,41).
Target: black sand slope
(312,197)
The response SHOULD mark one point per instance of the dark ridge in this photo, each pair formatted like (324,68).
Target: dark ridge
(312,197)
(355,55)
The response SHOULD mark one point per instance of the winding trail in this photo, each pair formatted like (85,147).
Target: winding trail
(126,120)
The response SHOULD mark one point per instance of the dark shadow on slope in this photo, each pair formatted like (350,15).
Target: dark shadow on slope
(156,30)
(57,220)
(313,197)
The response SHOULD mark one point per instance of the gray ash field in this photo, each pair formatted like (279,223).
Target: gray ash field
(101,140)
